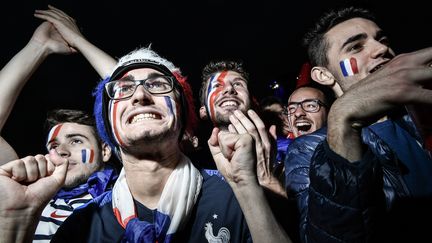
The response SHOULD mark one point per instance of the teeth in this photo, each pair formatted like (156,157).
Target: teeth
(141,117)
(376,68)
(228,103)
(301,124)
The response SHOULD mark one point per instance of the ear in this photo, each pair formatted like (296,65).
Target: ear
(322,76)
(106,152)
(203,113)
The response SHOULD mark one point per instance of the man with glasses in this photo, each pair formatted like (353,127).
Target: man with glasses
(307,110)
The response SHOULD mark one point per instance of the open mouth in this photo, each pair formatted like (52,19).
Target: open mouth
(144,117)
(229,104)
(303,127)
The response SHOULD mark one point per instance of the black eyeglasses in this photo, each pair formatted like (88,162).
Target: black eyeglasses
(123,89)
(309,105)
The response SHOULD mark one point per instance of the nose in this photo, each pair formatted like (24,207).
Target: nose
(299,111)
(63,150)
(142,96)
(229,89)
(379,49)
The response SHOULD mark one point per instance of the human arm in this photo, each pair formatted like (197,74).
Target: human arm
(400,82)
(27,185)
(297,164)
(235,159)
(18,70)
(101,61)
(265,150)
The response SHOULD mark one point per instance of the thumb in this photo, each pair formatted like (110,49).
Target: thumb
(272,131)
(61,166)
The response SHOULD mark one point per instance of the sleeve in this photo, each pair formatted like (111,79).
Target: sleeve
(297,162)
(343,197)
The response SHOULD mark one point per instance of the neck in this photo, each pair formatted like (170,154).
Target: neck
(147,173)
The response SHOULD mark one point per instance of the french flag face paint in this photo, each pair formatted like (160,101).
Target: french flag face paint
(215,87)
(349,66)
(87,155)
(113,113)
(55,130)
(172,106)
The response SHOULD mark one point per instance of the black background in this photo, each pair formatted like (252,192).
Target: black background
(264,34)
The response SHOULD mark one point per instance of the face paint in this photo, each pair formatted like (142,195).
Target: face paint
(215,86)
(171,105)
(87,155)
(112,109)
(53,133)
(349,66)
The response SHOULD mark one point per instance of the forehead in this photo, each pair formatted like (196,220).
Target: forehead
(230,76)
(141,73)
(306,93)
(337,35)
(69,128)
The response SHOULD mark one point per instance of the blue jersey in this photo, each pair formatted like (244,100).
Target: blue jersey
(216,216)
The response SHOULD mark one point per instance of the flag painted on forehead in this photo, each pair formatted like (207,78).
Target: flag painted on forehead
(87,155)
(213,91)
(54,133)
(349,66)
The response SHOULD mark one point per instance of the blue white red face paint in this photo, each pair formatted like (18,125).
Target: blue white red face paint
(349,66)
(87,155)
(53,133)
(214,88)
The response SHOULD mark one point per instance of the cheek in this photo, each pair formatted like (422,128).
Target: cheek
(87,156)
(114,109)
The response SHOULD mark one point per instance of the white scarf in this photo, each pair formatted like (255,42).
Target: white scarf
(177,200)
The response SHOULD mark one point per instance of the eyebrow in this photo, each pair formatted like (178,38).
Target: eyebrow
(353,39)
(70,136)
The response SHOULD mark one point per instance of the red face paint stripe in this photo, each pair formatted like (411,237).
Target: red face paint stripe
(353,63)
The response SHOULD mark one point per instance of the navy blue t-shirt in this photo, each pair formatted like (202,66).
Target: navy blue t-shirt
(216,207)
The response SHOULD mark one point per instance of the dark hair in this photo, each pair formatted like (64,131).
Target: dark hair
(219,66)
(57,116)
(314,40)
(329,96)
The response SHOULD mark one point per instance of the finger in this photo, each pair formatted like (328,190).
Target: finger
(262,131)
(227,143)
(15,170)
(61,13)
(245,122)
(272,131)
(31,167)
(232,129)
(237,124)
(423,56)
(61,167)
(41,165)
(213,140)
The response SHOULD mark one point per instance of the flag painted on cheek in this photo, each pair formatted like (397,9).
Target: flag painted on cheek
(349,66)
(112,108)
(54,133)
(171,105)
(87,155)
(215,87)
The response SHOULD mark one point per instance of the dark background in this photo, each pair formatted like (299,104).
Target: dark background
(264,34)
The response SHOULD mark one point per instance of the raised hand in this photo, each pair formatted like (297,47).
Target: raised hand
(265,152)
(27,185)
(64,24)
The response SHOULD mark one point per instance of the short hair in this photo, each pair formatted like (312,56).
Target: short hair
(57,116)
(314,40)
(329,96)
(219,66)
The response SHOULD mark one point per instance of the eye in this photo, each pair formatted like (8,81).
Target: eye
(52,146)
(385,41)
(158,84)
(238,84)
(356,47)
(76,141)
(122,87)
(291,108)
